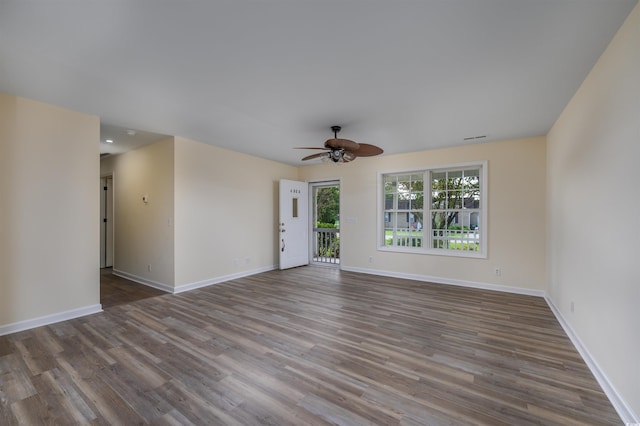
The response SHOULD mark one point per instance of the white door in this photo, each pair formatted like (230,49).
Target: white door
(294,224)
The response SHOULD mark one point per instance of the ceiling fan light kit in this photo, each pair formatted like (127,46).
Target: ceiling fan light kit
(342,150)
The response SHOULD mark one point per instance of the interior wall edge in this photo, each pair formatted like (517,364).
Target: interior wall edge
(49,319)
(623,409)
(447,281)
(144,281)
(223,278)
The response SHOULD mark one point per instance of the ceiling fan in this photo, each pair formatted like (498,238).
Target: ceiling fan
(342,150)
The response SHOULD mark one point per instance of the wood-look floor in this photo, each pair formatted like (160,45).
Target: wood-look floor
(115,290)
(311,345)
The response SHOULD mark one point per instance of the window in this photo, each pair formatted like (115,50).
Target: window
(403,209)
(448,217)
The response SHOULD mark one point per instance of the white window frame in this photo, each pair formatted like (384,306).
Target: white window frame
(427,234)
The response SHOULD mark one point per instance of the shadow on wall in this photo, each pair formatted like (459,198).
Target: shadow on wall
(276,216)
(7,236)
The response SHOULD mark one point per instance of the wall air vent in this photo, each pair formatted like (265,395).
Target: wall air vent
(471,138)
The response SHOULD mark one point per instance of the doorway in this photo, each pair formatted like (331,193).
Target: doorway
(114,290)
(325,209)
(106,222)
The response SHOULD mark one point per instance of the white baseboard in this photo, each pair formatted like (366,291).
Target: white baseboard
(141,280)
(92,309)
(625,412)
(49,319)
(223,278)
(449,281)
(190,286)
(622,408)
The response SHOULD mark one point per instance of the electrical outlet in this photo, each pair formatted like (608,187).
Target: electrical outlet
(572,306)
(148,268)
(497,271)
(370,259)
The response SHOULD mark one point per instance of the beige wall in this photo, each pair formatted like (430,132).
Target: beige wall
(516,240)
(212,213)
(144,232)
(569,202)
(49,241)
(226,212)
(594,206)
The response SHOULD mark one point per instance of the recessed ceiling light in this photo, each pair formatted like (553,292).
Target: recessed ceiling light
(108,140)
(131,132)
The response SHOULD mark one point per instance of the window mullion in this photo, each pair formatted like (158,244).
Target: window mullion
(427,232)
(443,213)
(394,222)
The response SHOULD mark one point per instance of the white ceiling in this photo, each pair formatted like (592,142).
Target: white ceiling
(262,77)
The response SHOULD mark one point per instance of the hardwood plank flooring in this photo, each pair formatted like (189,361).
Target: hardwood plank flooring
(310,345)
(115,290)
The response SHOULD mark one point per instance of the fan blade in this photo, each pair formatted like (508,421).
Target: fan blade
(310,147)
(312,156)
(345,144)
(367,150)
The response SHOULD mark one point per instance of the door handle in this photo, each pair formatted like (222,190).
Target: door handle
(283,245)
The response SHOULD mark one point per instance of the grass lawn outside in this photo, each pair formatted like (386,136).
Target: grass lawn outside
(455,238)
